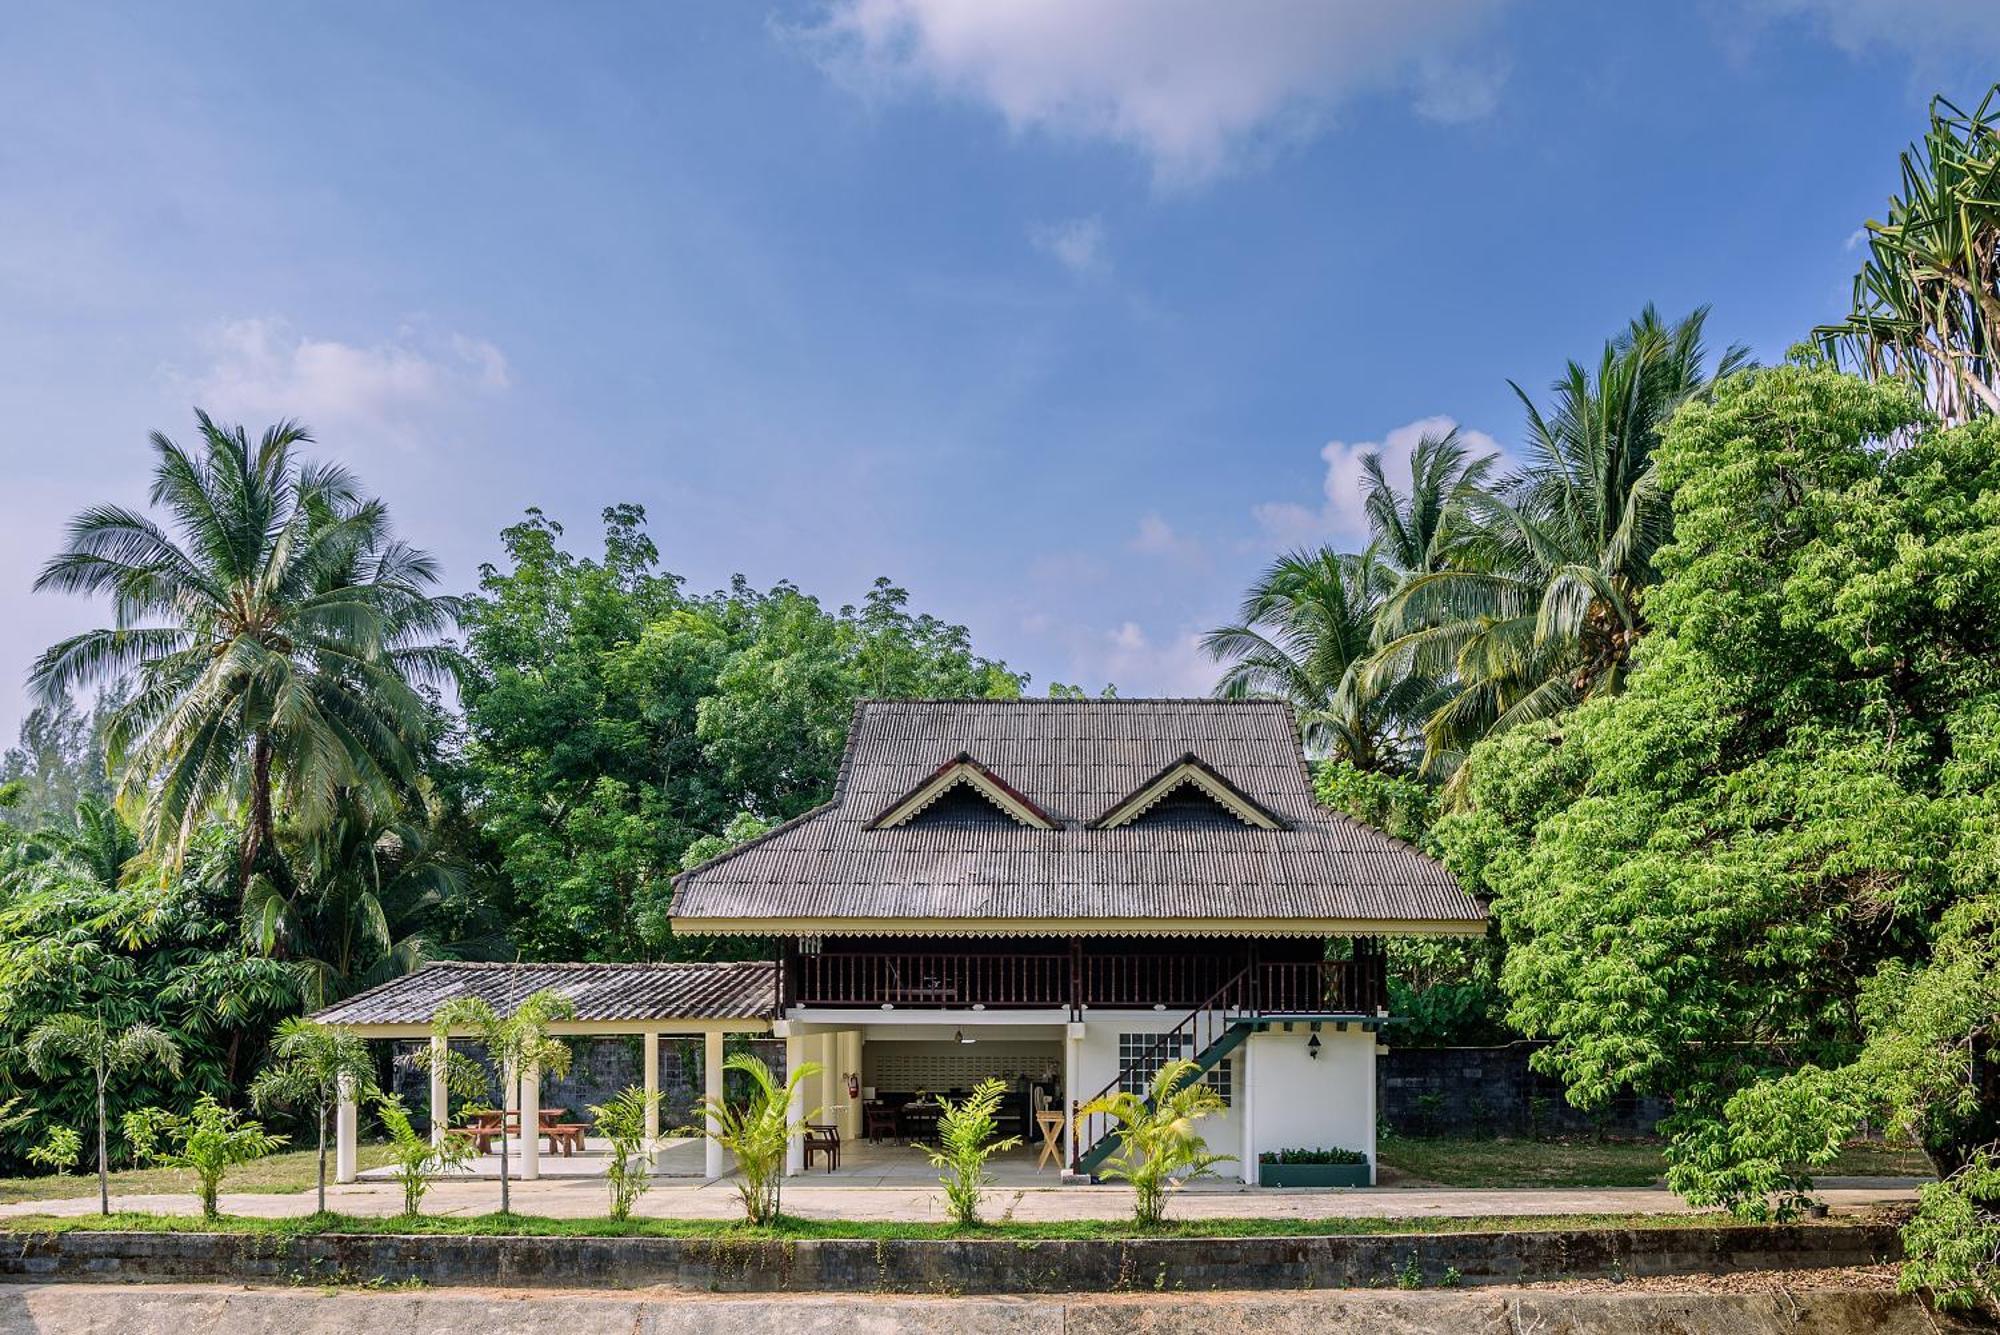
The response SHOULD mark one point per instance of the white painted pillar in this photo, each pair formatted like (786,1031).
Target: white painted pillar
(831,1092)
(440,1095)
(712,1166)
(850,1064)
(1376,1051)
(1246,1082)
(795,1057)
(510,1102)
(346,1133)
(531,1122)
(651,1085)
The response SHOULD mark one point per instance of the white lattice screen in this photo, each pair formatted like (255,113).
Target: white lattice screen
(908,1067)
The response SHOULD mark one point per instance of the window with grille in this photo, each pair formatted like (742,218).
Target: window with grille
(1140,1057)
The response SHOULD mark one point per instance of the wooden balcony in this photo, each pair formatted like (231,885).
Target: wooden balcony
(996,980)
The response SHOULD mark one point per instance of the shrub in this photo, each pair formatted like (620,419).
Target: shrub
(625,1122)
(758,1132)
(965,1142)
(1334,1155)
(417,1160)
(209,1141)
(1158,1148)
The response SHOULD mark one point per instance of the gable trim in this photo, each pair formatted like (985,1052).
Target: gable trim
(1190,769)
(963,769)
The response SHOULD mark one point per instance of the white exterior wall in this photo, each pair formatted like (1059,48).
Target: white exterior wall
(1305,1102)
(1099,1066)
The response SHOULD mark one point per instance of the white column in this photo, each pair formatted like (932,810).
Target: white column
(1376,1051)
(795,1057)
(510,1102)
(850,1064)
(440,1095)
(712,1166)
(531,1122)
(346,1131)
(652,1086)
(1246,1157)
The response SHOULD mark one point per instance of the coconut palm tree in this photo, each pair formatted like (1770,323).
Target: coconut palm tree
(1415,532)
(273,639)
(1303,629)
(1541,603)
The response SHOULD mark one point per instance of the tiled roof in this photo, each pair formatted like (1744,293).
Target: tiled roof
(1075,759)
(740,991)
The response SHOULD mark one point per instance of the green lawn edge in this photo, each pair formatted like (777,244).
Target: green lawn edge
(791,1227)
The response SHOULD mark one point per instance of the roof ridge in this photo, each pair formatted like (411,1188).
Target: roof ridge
(1092,701)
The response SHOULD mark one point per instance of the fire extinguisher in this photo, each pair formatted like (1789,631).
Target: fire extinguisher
(853,1085)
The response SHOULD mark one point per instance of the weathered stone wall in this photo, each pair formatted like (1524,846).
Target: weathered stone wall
(942,1265)
(1492,1091)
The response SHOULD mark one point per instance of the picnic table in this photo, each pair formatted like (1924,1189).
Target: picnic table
(564,1137)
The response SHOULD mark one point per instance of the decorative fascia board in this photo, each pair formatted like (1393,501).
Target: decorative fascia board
(1190,769)
(1081,926)
(963,769)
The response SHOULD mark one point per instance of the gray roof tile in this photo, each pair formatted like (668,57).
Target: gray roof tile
(738,991)
(1075,759)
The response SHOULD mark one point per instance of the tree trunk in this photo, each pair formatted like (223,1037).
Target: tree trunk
(103,1154)
(321,1121)
(505,1207)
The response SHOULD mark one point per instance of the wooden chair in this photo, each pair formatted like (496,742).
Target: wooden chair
(823,1138)
(880,1120)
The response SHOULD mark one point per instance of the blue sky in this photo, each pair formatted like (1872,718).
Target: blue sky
(1064,315)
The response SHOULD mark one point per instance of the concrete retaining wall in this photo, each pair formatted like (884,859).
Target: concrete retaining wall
(161,1310)
(731,1265)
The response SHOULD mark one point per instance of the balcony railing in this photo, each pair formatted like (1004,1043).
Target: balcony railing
(999,981)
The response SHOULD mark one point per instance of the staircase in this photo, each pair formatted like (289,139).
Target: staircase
(1254,999)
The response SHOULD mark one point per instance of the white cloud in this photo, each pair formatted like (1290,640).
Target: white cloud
(1077,243)
(1931,32)
(1156,537)
(1129,659)
(1191,84)
(260,370)
(1340,517)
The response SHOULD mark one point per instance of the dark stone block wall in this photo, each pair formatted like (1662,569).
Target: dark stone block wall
(1492,1091)
(599,1069)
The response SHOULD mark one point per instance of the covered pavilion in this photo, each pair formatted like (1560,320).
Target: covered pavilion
(650,1001)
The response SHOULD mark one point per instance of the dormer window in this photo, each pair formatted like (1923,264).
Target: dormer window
(1188,792)
(963,792)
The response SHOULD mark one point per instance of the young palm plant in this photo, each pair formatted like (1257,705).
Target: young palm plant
(759,1131)
(416,1159)
(518,1041)
(209,1141)
(624,1122)
(309,1064)
(271,640)
(1158,1145)
(107,1052)
(965,1142)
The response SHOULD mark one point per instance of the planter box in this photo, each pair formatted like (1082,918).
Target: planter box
(1312,1174)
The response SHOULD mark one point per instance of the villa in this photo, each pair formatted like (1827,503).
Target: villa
(1062,893)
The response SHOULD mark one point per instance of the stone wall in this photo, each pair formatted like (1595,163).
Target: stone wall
(1492,1091)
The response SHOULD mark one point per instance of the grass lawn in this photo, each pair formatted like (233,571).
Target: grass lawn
(295,1171)
(1585,1162)
(521,1225)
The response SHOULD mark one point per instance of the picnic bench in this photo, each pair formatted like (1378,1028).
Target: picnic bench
(564,1138)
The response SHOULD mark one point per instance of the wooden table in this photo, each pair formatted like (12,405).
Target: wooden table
(1051,1125)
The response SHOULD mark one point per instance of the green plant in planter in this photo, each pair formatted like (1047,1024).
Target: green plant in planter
(209,1141)
(965,1142)
(1333,1155)
(624,1122)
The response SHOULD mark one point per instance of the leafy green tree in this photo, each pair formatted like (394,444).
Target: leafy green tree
(58,761)
(1762,882)
(106,1052)
(1927,300)
(744,827)
(1541,603)
(271,645)
(967,1138)
(208,1141)
(613,720)
(518,1038)
(1159,1148)
(627,1169)
(309,1064)
(758,1131)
